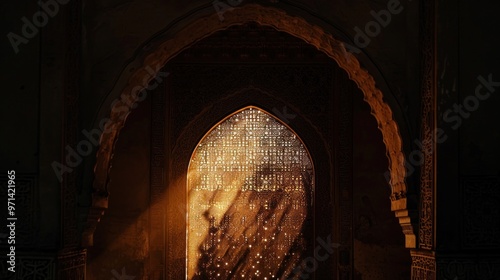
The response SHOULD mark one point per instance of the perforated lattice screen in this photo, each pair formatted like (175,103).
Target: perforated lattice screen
(250,188)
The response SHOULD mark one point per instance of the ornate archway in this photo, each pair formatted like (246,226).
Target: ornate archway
(281,21)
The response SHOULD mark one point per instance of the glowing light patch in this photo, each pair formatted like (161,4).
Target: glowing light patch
(250,188)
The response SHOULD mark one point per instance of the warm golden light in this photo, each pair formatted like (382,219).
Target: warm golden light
(250,186)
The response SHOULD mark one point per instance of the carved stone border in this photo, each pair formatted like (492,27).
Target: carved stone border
(423,265)
(281,21)
(424,260)
(29,265)
(71,265)
(428,126)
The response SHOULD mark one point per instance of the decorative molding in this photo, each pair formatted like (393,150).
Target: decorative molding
(428,126)
(72,265)
(424,260)
(397,195)
(466,267)
(408,219)
(29,265)
(423,265)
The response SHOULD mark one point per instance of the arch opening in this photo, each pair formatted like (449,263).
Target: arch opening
(250,187)
(281,21)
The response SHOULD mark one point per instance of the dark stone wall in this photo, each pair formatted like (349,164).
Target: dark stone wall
(468,177)
(20,91)
(114,38)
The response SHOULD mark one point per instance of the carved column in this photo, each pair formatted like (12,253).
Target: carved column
(423,258)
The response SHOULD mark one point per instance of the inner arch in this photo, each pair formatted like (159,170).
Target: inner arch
(250,187)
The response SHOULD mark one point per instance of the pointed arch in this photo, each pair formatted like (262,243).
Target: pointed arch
(281,21)
(250,187)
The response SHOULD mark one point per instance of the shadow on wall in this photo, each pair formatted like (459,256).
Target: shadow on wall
(379,250)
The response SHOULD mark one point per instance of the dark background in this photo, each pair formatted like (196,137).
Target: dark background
(63,80)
